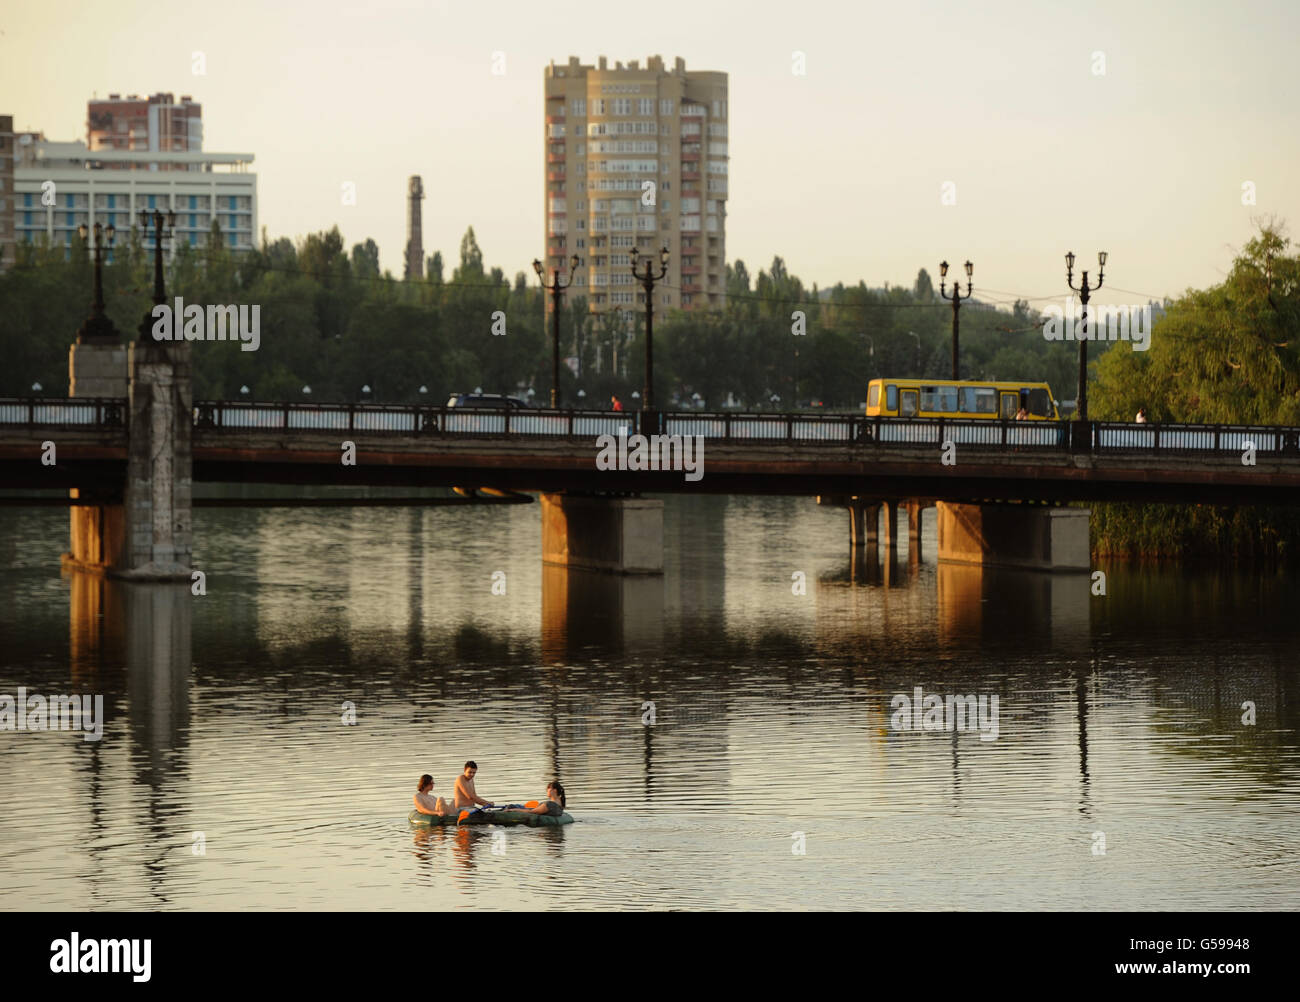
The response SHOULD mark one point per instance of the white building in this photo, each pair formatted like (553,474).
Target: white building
(200,188)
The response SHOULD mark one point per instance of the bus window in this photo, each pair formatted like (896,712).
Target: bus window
(909,403)
(979,400)
(939,399)
(873,395)
(1039,403)
(891,398)
(1010,404)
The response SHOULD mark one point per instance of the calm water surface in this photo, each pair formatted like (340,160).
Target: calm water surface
(1120,716)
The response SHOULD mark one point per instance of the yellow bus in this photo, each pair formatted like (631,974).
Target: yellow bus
(965,398)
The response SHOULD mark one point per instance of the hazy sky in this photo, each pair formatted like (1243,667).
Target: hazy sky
(839,170)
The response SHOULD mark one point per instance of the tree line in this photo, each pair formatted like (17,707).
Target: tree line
(332,321)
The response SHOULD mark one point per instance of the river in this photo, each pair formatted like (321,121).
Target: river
(1117,772)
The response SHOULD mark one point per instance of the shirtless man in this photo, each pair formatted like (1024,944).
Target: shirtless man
(466,798)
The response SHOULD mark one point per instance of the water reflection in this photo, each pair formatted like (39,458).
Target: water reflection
(585,610)
(131,642)
(772,714)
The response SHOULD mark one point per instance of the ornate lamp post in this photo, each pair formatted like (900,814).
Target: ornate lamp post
(647,280)
(97,328)
(556,287)
(1084,292)
(956,299)
(163,227)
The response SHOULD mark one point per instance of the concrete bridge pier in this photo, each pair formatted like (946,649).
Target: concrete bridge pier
(864,518)
(891,528)
(914,509)
(159,462)
(97,368)
(143,531)
(1028,536)
(591,532)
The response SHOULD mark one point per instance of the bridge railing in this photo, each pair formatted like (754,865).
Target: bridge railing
(1097,437)
(834,428)
(71,412)
(982,434)
(1110,436)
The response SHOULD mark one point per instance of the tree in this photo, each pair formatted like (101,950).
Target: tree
(923,289)
(471,259)
(365,259)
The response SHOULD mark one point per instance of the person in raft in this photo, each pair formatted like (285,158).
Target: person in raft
(554,802)
(466,798)
(425,800)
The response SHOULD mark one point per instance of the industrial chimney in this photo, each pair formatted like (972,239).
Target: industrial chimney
(414,239)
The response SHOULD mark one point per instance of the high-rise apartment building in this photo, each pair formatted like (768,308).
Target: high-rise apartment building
(157,123)
(6,192)
(637,158)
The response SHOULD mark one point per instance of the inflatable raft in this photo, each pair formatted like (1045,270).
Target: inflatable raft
(528,818)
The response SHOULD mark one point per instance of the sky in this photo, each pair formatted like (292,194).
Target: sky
(840,170)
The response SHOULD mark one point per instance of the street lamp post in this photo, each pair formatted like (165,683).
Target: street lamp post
(556,287)
(1084,292)
(647,280)
(956,299)
(97,328)
(163,227)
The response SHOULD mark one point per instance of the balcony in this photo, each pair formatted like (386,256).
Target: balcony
(555,251)
(691,288)
(690,175)
(690,269)
(690,192)
(555,175)
(558,158)
(555,119)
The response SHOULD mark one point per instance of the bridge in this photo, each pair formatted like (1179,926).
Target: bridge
(985,475)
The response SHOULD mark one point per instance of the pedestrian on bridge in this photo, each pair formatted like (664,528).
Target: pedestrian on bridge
(1141,416)
(615,403)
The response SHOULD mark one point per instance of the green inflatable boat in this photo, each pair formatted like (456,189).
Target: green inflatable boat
(528,818)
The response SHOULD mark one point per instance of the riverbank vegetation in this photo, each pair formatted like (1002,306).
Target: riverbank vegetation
(1229,354)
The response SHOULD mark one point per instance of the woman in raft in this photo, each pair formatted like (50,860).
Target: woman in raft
(426,802)
(554,802)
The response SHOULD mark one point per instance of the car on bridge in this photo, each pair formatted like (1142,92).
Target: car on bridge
(495,400)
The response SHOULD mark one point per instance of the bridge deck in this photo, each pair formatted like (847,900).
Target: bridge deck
(743,453)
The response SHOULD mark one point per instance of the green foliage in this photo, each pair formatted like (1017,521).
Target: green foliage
(1225,355)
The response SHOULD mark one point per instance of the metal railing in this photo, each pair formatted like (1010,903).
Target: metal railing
(71,412)
(1096,437)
